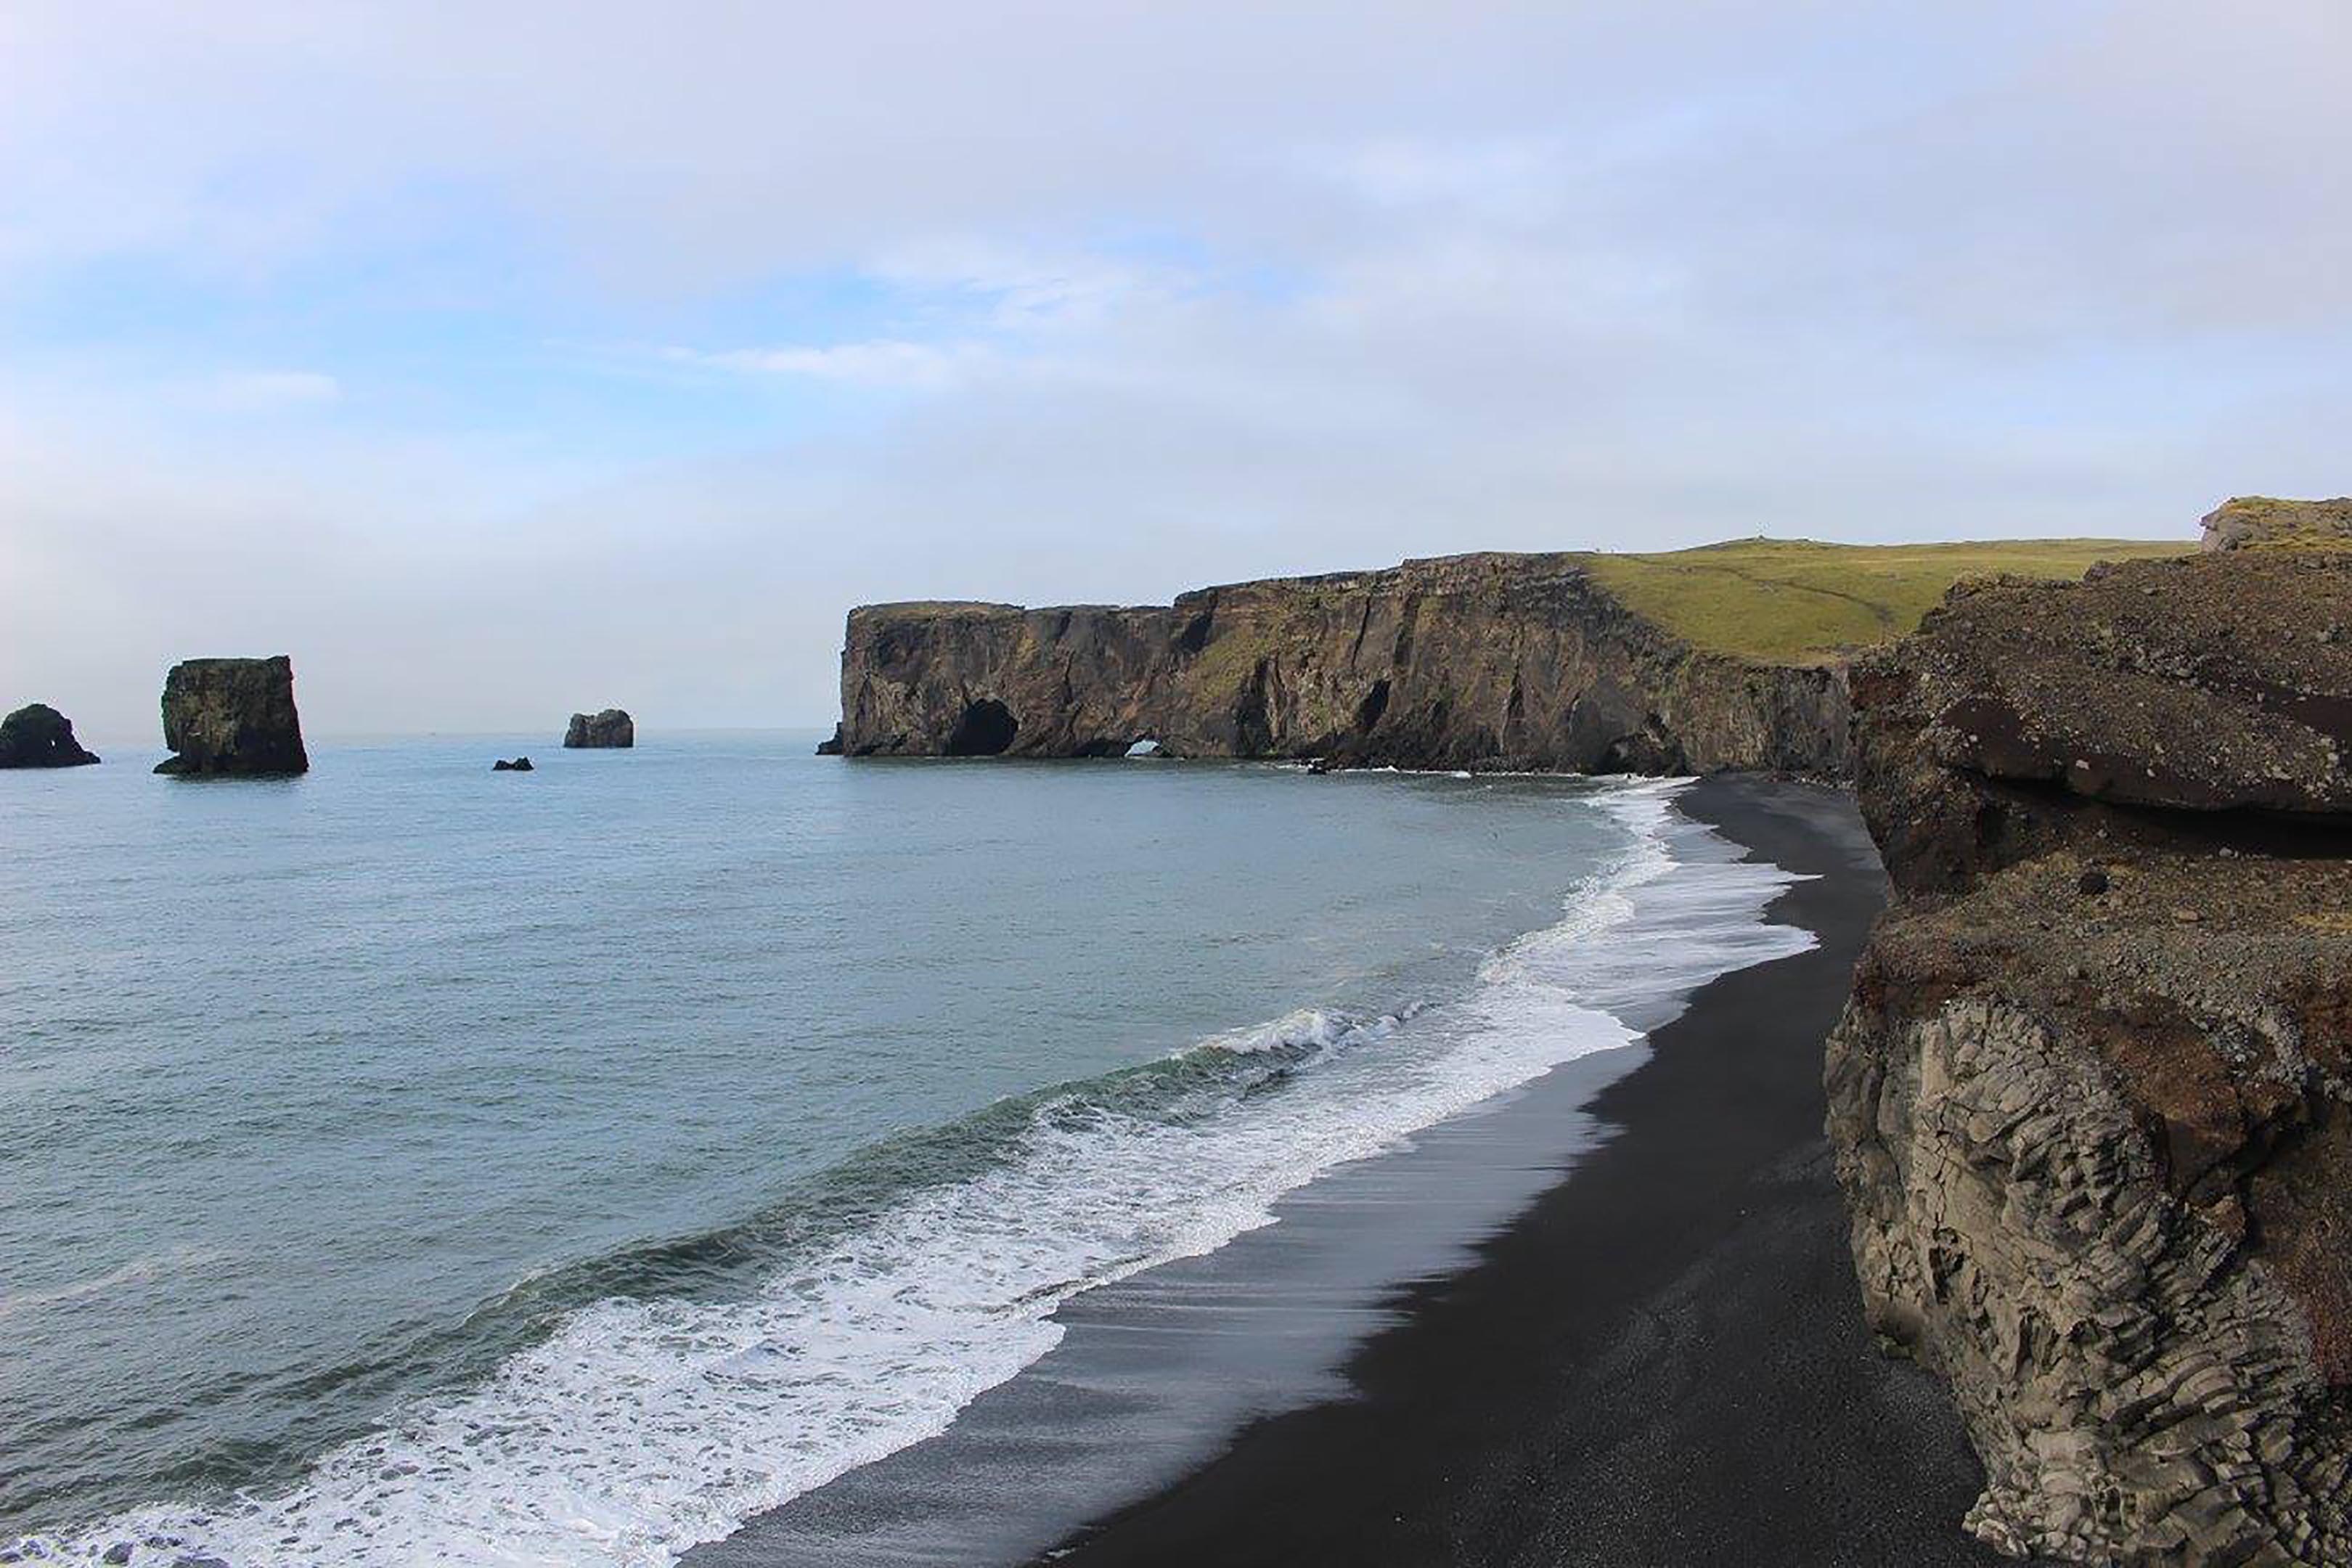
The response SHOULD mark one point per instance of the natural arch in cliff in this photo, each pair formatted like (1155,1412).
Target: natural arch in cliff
(985,728)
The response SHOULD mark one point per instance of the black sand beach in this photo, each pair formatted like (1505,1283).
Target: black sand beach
(1662,1361)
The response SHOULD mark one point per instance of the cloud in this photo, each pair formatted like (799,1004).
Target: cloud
(1055,300)
(264,390)
(886,363)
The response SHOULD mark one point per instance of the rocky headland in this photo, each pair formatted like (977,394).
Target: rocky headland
(232,718)
(1475,661)
(1729,656)
(609,729)
(37,736)
(2089,1097)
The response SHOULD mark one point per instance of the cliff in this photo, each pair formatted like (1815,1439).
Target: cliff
(38,736)
(232,717)
(1493,661)
(1730,656)
(2089,1097)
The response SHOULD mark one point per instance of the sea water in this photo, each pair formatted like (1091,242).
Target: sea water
(410,1163)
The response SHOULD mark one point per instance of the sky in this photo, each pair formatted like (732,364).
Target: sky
(496,361)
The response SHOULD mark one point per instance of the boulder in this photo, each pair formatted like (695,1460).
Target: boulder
(611,728)
(233,718)
(2091,1099)
(519,765)
(2264,522)
(38,736)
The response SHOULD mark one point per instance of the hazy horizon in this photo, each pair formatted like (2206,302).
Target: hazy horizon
(499,365)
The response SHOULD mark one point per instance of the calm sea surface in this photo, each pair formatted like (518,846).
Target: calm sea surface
(407,1162)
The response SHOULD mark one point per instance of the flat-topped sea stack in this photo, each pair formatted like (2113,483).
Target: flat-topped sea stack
(232,718)
(2092,1098)
(37,736)
(1729,656)
(609,728)
(2264,522)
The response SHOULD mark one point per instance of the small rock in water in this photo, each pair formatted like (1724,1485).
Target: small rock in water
(520,766)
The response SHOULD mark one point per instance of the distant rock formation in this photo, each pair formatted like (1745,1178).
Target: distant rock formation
(233,718)
(610,728)
(2261,523)
(2092,1098)
(38,736)
(519,765)
(1471,661)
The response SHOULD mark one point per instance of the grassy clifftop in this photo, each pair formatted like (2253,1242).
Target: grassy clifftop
(1791,601)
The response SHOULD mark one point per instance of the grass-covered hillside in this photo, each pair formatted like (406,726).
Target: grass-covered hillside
(1792,601)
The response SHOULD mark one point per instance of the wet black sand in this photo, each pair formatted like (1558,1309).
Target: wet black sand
(1662,1361)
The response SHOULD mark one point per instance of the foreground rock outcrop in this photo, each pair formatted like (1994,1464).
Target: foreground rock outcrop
(2264,522)
(2092,1097)
(1471,661)
(37,736)
(233,718)
(611,728)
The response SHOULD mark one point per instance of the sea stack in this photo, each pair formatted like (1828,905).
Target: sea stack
(612,728)
(2089,1097)
(233,718)
(38,736)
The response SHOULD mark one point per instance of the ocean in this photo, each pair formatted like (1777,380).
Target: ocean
(410,1163)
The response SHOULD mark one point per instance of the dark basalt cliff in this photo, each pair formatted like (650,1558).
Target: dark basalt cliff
(38,736)
(2092,1097)
(233,718)
(1471,661)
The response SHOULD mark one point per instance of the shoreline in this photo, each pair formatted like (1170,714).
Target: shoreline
(1662,1360)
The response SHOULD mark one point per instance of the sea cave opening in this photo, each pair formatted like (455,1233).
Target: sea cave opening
(984,730)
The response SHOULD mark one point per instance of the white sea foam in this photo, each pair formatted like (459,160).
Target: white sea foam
(642,1427)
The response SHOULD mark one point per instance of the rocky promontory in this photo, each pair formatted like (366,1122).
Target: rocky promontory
(37,736)
(1469,661)
(2265,523)
(612,728)
(233,718)
(2092,1097)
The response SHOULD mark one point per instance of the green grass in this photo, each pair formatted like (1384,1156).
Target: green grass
(1791,601)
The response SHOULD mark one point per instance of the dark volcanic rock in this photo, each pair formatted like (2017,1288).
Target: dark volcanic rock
(2261,523)
(2092,1097)
(233,718)
(1472,661)
(611,728)
(38,736)
(519,765)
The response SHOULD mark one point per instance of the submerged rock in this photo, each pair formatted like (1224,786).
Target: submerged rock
(233,718)
(38,736)
(2089,1097)
(611,728)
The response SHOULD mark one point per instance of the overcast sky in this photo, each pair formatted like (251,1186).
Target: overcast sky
(500,360)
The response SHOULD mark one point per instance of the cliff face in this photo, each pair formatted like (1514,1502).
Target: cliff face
(38,736)
(2092,1097)
(232,717)
(1493,661)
